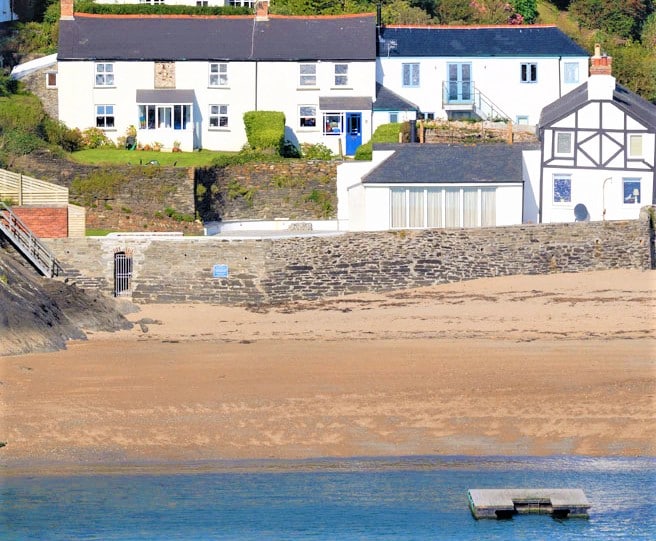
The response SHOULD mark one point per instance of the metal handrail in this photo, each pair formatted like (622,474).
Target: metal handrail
(28,243)
(482,105)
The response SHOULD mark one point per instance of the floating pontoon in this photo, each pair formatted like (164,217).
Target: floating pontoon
(506,502)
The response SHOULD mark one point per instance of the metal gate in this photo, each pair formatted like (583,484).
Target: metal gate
(122,273)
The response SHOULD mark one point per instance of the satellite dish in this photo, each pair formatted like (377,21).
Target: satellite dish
(581,213)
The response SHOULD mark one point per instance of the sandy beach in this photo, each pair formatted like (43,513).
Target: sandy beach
(523,365)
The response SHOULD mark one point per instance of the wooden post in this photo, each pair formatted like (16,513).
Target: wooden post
(20,189)
(509,137)
(421,131)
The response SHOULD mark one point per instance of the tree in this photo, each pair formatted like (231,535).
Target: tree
(528,9)
(400,12)
(622,18)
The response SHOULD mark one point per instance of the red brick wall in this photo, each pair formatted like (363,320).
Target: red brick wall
(46,222)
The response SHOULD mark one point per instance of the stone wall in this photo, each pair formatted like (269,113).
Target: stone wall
(294,190)
(286,269)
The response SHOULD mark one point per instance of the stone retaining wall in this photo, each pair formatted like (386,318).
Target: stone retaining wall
(180,269)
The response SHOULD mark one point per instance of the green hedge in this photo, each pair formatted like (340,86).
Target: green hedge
(265,130)
(88,6)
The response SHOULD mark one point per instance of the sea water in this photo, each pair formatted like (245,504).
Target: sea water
(415,498)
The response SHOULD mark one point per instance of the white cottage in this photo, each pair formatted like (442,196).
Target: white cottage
(598,150)
(190,79)
(491,72)
(412,186)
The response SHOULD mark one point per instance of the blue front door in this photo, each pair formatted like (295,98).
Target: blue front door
(353,132)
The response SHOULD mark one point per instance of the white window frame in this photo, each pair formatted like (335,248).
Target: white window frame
(528,72)
(565,137)
(566,200)
(49,75)
(341,75)
(153,115)
(218,113)
(107,113)
(393,117)
(333,123)
(104,75)
(408,194)
(218,74)
(521,120)
(307,117)
(571,73)
(632,198)
(307,75)
(636,151)
(410,75)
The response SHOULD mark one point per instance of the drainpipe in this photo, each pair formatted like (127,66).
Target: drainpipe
(256,85)
(603,198)
(560,83)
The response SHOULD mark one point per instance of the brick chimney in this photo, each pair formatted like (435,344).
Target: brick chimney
(66,9)
(262,10)
(601,83)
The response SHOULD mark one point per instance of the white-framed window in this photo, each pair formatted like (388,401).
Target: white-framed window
(562,189)
(154,2)
(307,116)
(635,146)
(571,70)
(333,123)
(104,74)
(105,116)
(177,116)
(411,74)
(394,117)
(522,120)
(201,3)
(218,74)
(442,207)
(341,74)
(564,143)
(242,3)
(631,191)
(218,116)
(307,75)
(51,79)
(528,72)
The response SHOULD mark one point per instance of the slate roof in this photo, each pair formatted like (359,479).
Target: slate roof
(476,41)
(626,100)
(433,163)
(170,38)
(386,100)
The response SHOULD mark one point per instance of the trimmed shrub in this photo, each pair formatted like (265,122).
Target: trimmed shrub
(265,130)
(58,133)
(95,138)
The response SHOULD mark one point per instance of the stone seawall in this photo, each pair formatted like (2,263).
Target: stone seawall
(270,270)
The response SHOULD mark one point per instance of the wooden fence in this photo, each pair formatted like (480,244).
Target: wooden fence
(24,190)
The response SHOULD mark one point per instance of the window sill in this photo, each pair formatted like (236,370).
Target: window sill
(302,88)
(99,87)
(341,88)
(219,129)
(218,87)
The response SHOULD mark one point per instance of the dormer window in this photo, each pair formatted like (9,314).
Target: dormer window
(564,144)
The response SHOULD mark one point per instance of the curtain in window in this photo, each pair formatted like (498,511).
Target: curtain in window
(470,203)
(398,214)
(452,204)
(416,207)
(488,207)
(434,208)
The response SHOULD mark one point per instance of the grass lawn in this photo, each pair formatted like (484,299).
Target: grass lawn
(112,156)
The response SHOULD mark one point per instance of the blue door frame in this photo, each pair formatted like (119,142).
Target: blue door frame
(353,132)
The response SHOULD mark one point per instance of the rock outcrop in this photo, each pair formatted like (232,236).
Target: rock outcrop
(38,314)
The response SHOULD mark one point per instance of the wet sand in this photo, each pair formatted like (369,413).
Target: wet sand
(528,365)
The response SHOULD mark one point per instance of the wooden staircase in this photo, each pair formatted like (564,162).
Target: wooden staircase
(27,243)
